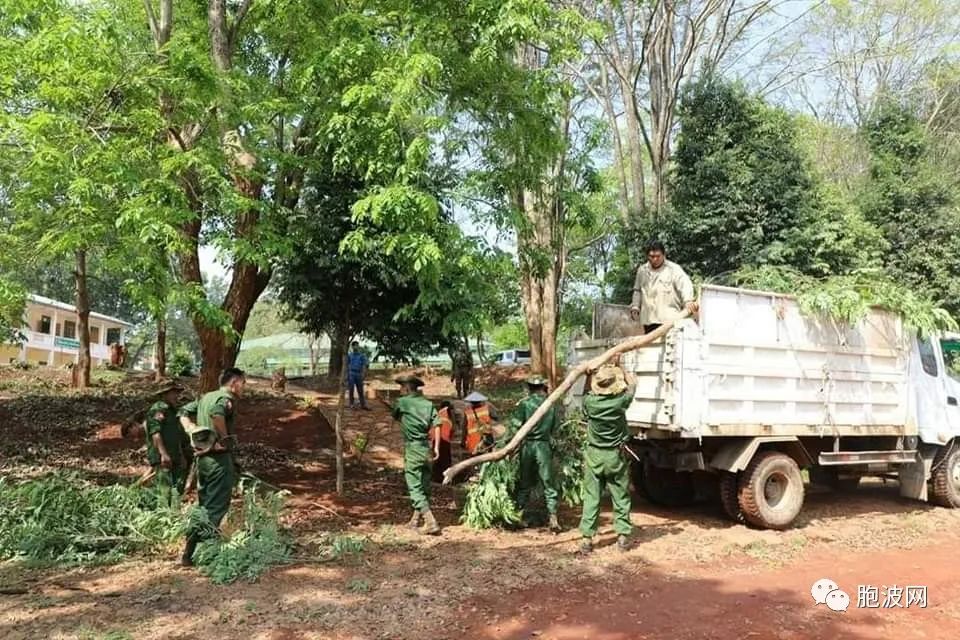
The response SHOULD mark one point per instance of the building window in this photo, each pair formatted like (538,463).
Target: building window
(44,325)
(94,335)
(113,335)
(70,329)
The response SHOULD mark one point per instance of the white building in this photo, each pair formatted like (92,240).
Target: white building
(52,338)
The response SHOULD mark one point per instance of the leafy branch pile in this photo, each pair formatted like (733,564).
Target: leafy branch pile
(490,500)
(848,298)
(258,543)
(63,519)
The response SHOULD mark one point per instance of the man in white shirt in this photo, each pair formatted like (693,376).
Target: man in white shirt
(661,291)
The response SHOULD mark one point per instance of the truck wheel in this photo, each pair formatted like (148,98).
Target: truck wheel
(667,487)
(770,492)
(728,496)
(946,478)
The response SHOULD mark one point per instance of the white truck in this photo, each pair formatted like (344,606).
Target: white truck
(753,391)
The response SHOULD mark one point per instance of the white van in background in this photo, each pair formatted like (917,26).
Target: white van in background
(512,358)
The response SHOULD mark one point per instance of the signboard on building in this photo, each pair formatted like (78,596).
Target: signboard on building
(66,343)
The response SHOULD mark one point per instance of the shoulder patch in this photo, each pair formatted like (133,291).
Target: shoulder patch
(228,405)
(159,415)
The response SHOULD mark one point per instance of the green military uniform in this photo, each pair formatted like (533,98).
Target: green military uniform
(603,461)
(216,475)
(463,370)
(162,419)
(536,457)
(417,416)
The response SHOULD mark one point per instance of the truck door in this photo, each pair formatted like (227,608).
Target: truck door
(950,350)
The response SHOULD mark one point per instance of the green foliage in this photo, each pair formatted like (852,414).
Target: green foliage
(490,500)
(63,519)
(511,335)
(259,543)
(914,202)
(12,303)
(181,364)
(847,299)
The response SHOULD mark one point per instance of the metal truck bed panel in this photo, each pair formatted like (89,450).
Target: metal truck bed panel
(754,365)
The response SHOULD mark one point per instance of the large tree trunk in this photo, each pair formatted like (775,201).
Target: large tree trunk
(81,376)
(161,346)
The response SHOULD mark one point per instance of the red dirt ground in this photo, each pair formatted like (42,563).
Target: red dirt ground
(691,575)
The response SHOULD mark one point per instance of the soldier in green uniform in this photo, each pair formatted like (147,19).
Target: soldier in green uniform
(605,408)
(168,450)
(536,457)
(210,424)
(417,416)
(462,369)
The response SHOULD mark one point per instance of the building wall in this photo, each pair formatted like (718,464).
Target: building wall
(9,353)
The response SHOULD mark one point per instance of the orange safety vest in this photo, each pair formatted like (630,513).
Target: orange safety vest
(446,426)
(478,425)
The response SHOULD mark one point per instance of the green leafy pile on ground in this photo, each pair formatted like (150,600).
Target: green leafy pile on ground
(490,500)
(848,298)
(63,519)
(258,543)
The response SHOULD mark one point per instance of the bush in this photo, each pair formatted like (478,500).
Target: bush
(181,363)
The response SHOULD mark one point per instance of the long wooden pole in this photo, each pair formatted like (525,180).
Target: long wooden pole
(558,393)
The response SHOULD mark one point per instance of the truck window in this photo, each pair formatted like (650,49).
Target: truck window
(927,356)
(951,357)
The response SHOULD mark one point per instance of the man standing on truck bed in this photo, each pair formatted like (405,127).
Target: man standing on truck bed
(661,291)
(604,462)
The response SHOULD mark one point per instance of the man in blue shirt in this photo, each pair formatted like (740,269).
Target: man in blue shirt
(356,371)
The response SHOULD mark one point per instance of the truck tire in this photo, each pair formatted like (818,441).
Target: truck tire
(728,497)
(946,478)
(667,487)
(770,492)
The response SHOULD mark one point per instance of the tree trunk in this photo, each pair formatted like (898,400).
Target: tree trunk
(342,344)
(313,355)
(82,369)
(557,394)
(161,371)
(338,351)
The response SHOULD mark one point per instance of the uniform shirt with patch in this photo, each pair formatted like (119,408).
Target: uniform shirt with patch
(162,419)
(215,403)
(416,415)
(607,418)
(661,293)
(543,430)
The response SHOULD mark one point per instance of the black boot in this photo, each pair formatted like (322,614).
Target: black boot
(186,560)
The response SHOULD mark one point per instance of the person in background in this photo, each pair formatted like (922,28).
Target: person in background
(357,364)
(210,422)
(661,291)
(478,418)
(418,417)
(461,373)
(536,457)
(604,462)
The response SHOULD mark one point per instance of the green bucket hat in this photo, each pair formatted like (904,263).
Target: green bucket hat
(411,380)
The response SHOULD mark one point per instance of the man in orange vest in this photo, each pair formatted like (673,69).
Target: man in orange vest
(479,417)
(445,456)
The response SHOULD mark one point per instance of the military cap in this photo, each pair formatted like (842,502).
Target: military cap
(608,380)
(411,380)
(536,381)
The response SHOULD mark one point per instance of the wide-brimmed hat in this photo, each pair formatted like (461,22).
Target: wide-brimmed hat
(536,381)
(608,381)
(476,396)
(411,380)
(170,386)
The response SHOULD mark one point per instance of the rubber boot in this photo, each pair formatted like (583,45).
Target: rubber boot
(414,521)
(586,547)
(186,560)
(554,524)
(430,526)
(623,543)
